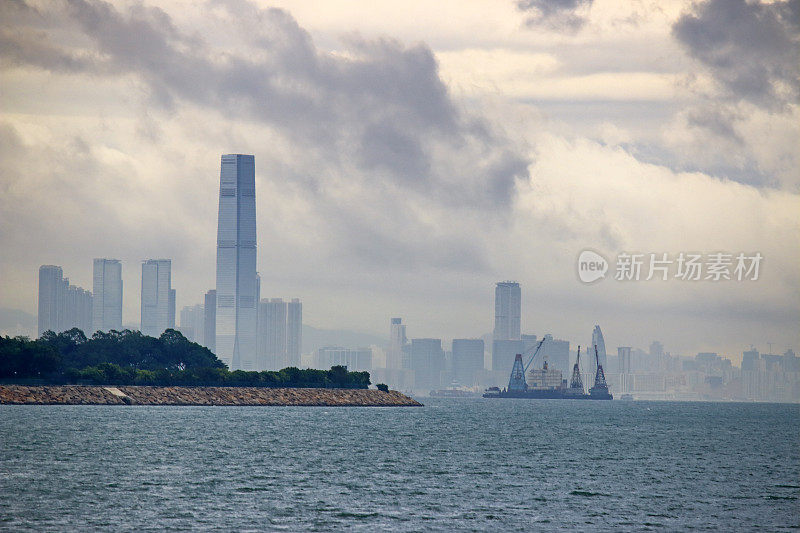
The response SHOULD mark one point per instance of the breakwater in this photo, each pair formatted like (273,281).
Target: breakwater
(138,395)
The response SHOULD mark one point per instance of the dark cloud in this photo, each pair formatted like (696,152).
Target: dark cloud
(375,116)
(563,15)
(381,106)
(751,48)
(716,119)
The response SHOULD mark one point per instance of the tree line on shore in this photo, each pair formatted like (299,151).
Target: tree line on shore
(130,358)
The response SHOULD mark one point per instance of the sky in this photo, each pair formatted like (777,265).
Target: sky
(409,155)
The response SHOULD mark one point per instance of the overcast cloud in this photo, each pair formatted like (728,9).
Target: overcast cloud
(403,169)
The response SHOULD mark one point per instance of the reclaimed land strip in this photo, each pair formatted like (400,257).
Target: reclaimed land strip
(98,395)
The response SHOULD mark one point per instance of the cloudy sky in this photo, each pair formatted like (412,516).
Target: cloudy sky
(411,154)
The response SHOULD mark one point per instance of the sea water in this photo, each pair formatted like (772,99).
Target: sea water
(473,465)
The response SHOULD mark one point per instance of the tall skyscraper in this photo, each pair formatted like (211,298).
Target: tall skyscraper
(107,301)
(237,298)
(507,311)
(397,339)
(158,299)
(51,294)
(210,320)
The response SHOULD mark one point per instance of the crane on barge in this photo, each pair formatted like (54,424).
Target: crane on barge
(517,382)
(600,390)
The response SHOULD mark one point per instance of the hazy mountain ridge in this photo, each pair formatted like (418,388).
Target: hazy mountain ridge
(14,322)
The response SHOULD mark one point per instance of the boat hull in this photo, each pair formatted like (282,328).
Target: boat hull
(550,394)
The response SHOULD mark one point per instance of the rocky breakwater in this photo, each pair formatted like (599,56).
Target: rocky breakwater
(122,395)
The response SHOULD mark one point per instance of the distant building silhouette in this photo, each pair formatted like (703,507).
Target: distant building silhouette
(62,306)
(210,320)
(625,370)
(556,353)
(357,360)
(504,352)
(158,297)
(237,292)
(272,334)
(397,341)
(294,331)
(599,341)
(427,362)
(467,360)
(51,294)
(507,311)
(193,323)
(280,326)
(750,360)
(107,289)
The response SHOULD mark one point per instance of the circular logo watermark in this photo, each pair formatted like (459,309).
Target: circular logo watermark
(591,266)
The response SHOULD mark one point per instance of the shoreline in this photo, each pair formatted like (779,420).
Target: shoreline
(199,396)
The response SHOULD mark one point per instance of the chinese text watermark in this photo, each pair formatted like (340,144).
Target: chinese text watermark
(684,266)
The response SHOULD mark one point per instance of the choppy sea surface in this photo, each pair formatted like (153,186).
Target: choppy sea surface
(505,465)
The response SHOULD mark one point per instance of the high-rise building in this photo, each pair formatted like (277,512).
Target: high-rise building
(656,349)
(51,295)
(107,289)
(427,362)
(210,320)
(158,298)
(625,371)
(467,360)
(624,358)
(597,340)
(280,333)
(750,360)
(397,340)
(193,322)
(171,308)
(62,306)
(237,291)
(507,311)
(271,343)
(294,331)
(78,312)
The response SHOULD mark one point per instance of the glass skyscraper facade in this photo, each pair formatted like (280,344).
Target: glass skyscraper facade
(237,292)
(107,289)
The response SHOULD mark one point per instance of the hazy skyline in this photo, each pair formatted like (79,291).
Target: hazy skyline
(410,156)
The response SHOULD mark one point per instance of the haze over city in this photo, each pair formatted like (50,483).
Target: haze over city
(408,157)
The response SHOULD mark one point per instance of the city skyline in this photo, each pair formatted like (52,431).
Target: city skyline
(405,171)
(292,315)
